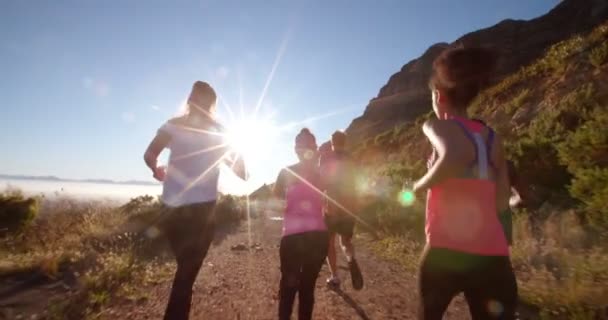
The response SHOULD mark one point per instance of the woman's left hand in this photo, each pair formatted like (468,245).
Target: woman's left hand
(159,173)
(418,190)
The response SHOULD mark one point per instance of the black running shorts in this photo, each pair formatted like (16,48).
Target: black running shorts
(341,224)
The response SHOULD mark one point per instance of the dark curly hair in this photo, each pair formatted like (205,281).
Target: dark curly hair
(461,73)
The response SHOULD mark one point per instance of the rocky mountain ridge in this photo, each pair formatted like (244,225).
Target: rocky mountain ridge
(519,42)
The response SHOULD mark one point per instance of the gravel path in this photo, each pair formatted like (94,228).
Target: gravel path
(243,284)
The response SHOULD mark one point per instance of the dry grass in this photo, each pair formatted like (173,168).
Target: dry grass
(57,234)
(94,242)
(565,270)
(561,266)
(114,253)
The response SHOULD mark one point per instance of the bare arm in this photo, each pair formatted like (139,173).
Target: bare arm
(237,165)
(448,158)
(160,141)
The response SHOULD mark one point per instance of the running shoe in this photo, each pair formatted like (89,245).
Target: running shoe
(355,275)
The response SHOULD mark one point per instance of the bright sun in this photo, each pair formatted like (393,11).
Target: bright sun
(251,137)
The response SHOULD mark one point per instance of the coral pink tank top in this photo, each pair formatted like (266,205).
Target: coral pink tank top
(461,212)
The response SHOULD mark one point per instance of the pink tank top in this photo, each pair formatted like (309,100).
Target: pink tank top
(461,212)
(304,210)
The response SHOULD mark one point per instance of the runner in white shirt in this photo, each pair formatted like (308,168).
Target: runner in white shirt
(190,188)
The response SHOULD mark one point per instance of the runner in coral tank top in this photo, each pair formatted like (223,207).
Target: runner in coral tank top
(466,184)
(461,211)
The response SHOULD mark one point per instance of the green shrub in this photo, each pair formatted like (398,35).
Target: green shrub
(388,217)
(556,121)
(229,210)
(538,162)
(537,149)
(113,271)
(517,102)
(506,84)
(598,34)
(16,211)
(140,203)
(591,186)
(146,210)
(599,55)
(588,145)
(398,173)
(383,138)
(142,210)
(585,153)
(557,56)
(398,132)
(370,213)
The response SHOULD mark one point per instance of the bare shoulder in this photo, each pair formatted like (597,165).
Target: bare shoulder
(284,175)
(438,127)
(204,123)
(181,120)
(291,168)
(430,124)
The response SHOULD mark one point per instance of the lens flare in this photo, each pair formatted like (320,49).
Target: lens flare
(362,184)
(407,197)
(309,154)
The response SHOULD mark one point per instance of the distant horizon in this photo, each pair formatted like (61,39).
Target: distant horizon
(58,178)
(53,178)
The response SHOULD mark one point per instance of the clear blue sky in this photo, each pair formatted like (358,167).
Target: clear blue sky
(85,84)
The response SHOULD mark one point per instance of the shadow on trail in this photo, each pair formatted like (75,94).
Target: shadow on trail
(352,303)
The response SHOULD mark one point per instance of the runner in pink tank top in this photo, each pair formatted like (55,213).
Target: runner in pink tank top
(466,185)
(304,206)
(305,239)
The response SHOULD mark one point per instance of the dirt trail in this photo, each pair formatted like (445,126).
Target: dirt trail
(243,284)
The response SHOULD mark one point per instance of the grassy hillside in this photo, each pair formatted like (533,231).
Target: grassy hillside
(556,107)
(554,116)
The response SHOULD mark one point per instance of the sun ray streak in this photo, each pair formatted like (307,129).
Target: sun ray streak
(235,160)
(213,133)
(202,175)
(311,119)
(195,153)
(277,60)
(248,208)
(240,84)
(329,198)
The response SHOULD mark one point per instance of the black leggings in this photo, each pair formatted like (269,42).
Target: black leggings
(488,283)
(302,256)
(189,230)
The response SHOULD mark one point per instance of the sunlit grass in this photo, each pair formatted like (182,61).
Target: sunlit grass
(561,265)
